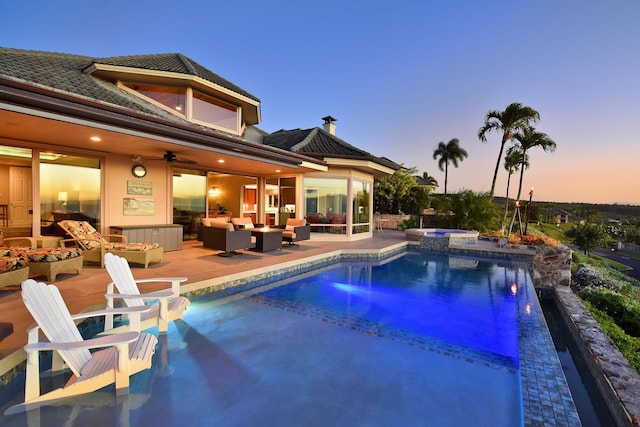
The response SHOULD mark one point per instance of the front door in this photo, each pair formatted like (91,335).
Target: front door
(20,196)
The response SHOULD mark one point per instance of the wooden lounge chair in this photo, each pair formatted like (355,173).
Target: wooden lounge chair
(94,245)
(122,354)
(171,305)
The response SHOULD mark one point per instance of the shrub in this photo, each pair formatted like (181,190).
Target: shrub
(533,240)
(628,346)
(587,276)
(412,222)
(624,311)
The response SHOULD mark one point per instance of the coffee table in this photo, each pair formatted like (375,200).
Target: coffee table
(267,239)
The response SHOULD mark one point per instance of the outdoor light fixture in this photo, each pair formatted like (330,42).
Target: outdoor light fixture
(526,223)
(214,191)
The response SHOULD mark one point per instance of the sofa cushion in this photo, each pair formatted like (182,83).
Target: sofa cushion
(10,263)
(82,229)
(48,254)
(219,222)
(242,223)
(292,223)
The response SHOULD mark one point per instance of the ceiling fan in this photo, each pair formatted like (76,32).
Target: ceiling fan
(171,157)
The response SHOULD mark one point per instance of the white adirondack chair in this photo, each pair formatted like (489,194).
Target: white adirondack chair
(122,354)
(171,305)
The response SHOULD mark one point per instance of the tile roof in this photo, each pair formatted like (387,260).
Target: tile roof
(421,181)
(65,73)
(317,142)
(175,63)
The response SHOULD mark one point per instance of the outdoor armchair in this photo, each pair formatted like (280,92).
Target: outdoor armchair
(219,234)
(296,230)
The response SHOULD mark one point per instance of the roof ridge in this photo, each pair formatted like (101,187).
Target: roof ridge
(45,53)
(187,63)
(306,140)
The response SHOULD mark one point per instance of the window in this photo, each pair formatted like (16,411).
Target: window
(329,198)
(193,105)
(218,113)
(189,200)
(69,185)
(360,193)
(172,97)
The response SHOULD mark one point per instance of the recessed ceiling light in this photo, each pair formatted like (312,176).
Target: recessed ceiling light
(278,170)
(220,160)
(96,138)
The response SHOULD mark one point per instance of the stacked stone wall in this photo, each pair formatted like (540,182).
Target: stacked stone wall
(391,222)
(552,266)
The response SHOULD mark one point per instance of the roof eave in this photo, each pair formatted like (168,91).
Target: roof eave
(370,166)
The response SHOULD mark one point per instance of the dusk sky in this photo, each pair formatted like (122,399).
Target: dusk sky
(400,76)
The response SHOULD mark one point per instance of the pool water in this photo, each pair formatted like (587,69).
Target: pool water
(422,340)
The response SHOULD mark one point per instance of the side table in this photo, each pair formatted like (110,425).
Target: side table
(267,240)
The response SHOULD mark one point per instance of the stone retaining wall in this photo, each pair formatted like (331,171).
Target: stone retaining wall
(617,381)
(552,266)
(391,222)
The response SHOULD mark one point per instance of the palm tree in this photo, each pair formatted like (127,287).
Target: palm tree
(451,152)
(528,139)
(514,117)
(513,160)
(429,178)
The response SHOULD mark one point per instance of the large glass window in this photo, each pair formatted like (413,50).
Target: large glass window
(189,200)
(218,113)
(360,193)
(69,188)
(287,200)
(326,204)
(172,97)
(204,108)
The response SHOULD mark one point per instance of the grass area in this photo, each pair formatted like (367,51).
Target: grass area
(611,263)
(552,230)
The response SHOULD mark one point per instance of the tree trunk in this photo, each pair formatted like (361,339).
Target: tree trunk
(505,137)
(513,217)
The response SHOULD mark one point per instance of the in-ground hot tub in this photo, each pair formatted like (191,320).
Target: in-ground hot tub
(441,238)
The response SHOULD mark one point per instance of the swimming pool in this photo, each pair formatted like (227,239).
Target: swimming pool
(423,340)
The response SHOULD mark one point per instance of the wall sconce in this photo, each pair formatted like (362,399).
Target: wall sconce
(214,191)
(62,197)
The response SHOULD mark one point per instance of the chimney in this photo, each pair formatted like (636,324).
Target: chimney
(329,124)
